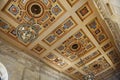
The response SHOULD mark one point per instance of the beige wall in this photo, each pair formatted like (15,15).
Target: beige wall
(22,67)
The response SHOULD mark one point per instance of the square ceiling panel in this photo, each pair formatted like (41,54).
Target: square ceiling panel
(60,31)
(107,46)
(78,75)
(84,11)
(55,60)
(4,26)
(97,66)
(96,29)
(75,46)
(114,57)
(70,70)
(38,49)
(88,58)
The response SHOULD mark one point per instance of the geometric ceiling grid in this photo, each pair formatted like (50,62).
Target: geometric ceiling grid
(72,36)
(44,12)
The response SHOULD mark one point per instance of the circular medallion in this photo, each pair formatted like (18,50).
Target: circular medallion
(35,9)
(75,46)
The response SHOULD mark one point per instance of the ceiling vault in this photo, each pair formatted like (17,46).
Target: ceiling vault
(68,30)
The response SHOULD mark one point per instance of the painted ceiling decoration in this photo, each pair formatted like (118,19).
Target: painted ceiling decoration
(84,11)
(45,12)
(97,31)
(76,46)
(60,31)
(68,31)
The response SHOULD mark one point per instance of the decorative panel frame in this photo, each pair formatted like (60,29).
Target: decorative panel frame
(88,58)
(107,46)
(60,31)
(13,32)
(70,69)
(38,49)
(97,66)
(75,46)
(56,60)
(84,11)
(77,75)
(114,57)
(4,26)
(97,30)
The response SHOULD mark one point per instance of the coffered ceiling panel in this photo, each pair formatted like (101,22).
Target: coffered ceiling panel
(97,30)
(75,46)
(88,58)
(97,66)
(55,60)
(60,31)
(38,49)
(84,11)
(72,36)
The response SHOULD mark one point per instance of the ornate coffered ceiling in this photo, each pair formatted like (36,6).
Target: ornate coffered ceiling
(69,31)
